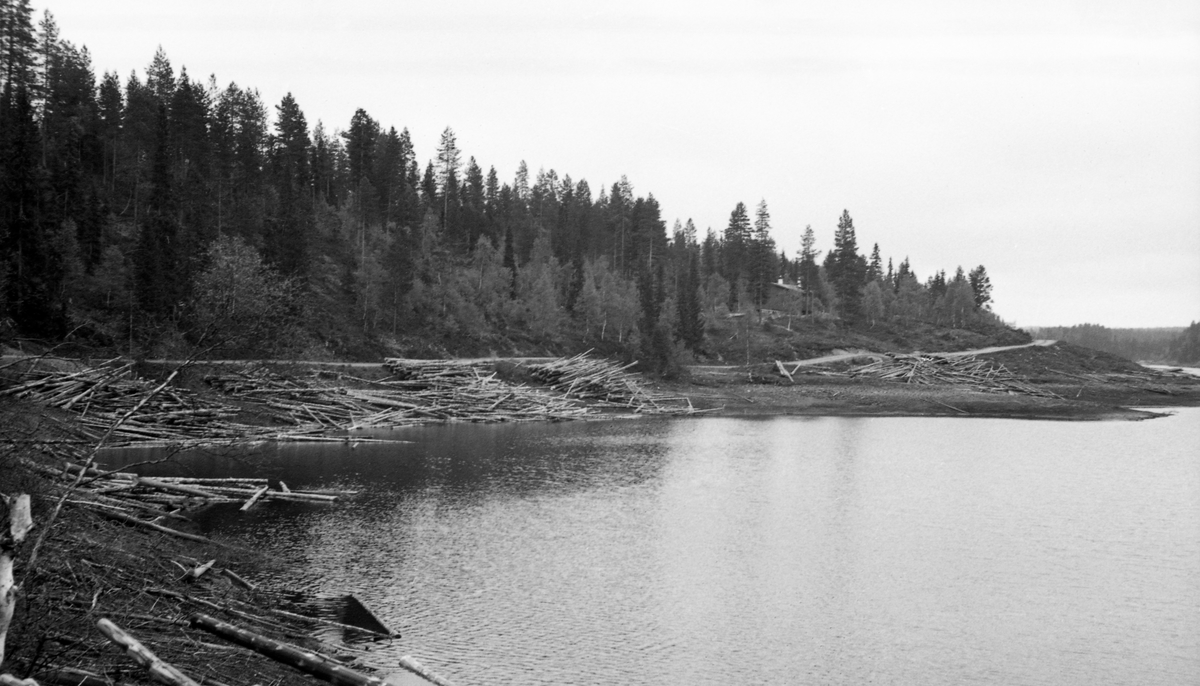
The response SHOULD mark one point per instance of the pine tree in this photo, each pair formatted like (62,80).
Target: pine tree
(33,270)
(156,287)
(761,269)
(160,77)
(847,269)
(733,249)
(429,189)
(710,252)
(689,309)
(875,267)
(808,260)
(361,139)
(449,158)
(289,241)
(981,286)
(18,48)
(473,203)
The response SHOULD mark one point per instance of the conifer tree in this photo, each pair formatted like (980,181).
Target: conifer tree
(157,289)
(689,309)
(33,269)
(18,48)
(449,158)
(847,269)
(429,189)
(875,267)
(981,286)
(734,249)
(761,269)
(290,239)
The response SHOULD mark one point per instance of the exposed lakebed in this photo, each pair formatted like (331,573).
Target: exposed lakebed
(777,550)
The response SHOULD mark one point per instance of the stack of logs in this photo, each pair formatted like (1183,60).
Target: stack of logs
(422,392)
(604,382)
(980,375)
(100,395)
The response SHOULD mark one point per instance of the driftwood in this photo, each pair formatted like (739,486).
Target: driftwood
(158,669)
(411,664)
(306,661)
(783,371)
(122,517)
(254,498)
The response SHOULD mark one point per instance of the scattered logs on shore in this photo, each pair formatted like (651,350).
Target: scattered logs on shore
(153,597)
(111,399)
(969,371)
(153,503)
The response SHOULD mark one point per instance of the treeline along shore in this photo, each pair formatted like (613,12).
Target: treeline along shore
(157,214)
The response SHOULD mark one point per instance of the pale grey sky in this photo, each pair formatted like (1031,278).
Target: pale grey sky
(1057,142)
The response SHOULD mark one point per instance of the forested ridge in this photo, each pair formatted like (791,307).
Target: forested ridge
(1172,345)
(160,213)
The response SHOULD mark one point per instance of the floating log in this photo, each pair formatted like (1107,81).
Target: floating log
(254,498)
(306,661)
(410,663)
(176,488)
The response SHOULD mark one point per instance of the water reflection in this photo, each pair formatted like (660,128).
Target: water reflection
(787,550)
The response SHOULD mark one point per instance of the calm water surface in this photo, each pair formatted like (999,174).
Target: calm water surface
(774,551)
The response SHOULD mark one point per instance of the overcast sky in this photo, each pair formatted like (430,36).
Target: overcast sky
(1056,142)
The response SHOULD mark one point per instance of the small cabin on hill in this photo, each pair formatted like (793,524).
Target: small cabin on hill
(787,298)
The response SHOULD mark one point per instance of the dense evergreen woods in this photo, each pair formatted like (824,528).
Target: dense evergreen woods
(160,213)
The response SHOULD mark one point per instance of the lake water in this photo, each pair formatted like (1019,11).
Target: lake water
(769,551)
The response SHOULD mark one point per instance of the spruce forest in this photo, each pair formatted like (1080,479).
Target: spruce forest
(159,215)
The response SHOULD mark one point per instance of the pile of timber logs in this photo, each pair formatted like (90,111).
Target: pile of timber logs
(980,375)
(103,394)
(423,392)
(600,381)
(596,381)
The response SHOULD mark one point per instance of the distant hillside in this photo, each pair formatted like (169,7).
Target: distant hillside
(1166,345)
